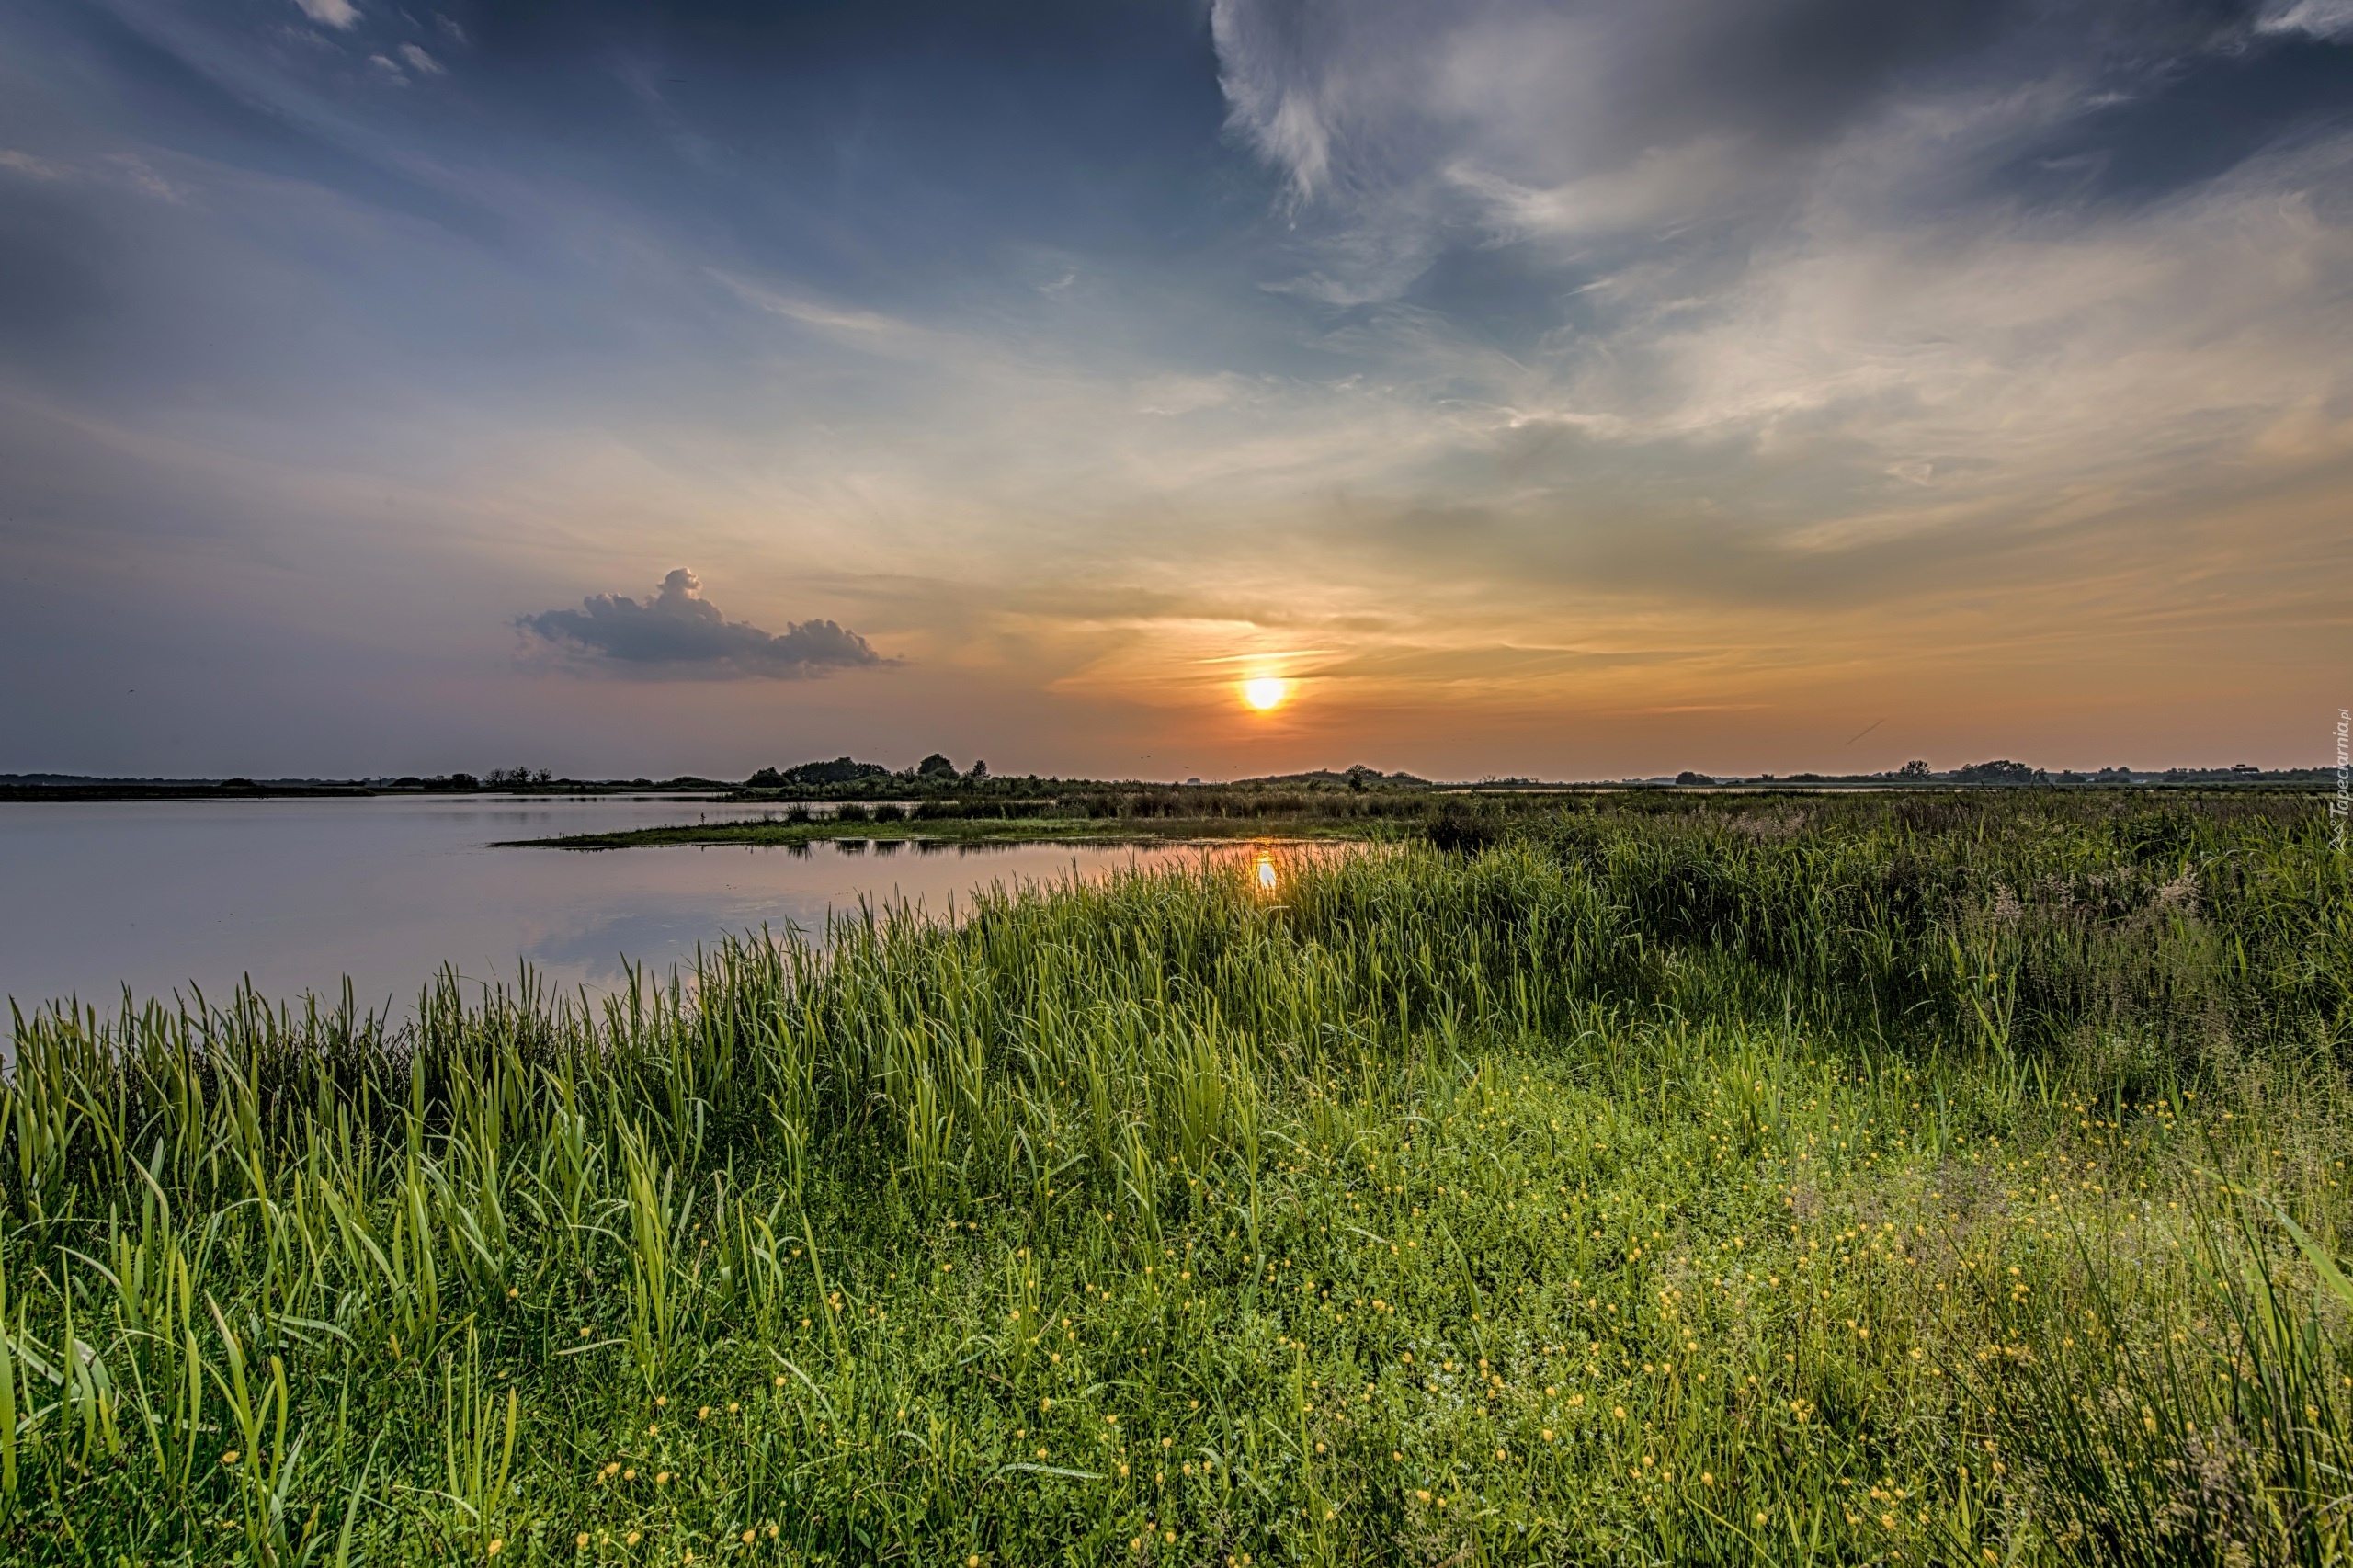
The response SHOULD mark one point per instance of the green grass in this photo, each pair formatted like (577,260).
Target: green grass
(1933,1180)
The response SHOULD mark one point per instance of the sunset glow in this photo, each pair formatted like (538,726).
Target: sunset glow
(1564,390)
(1266,692)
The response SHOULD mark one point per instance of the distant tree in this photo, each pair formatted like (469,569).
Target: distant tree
(1687,777)
(2001,772)
(1916,768)
(1359,777)
(979,773)
(841,771)
(936,766)
(766,779)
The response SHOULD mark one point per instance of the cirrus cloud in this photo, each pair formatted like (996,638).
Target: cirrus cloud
(676,632)
(341,13)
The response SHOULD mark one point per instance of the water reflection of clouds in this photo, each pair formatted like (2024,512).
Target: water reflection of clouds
(299,893)
(600,953)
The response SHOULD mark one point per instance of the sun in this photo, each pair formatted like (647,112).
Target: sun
(1266,692)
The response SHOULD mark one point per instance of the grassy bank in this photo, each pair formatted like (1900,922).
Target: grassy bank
(1933,1180)
(1099,816)
(1096,814)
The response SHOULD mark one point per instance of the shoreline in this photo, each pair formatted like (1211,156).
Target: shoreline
(964,831)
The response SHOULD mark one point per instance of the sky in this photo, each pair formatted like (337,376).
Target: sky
(1582,390)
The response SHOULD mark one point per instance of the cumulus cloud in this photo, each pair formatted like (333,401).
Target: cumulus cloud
(677,632)
(420,61)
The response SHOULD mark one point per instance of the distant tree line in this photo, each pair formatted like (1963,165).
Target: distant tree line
(934,771)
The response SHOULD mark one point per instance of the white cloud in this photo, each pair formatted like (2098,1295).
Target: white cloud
(134,171)
(1860,311)
(340,14)
(865,325)
(1663,186)
(1284,117)
(1405,129)
(2041,349)
(2321,18)
(420,61)
(110,169)
(31,167)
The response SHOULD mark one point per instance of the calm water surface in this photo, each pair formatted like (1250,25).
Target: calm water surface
(297,895)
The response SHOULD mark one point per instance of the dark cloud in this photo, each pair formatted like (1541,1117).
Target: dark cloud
(1417,138)
(678,631)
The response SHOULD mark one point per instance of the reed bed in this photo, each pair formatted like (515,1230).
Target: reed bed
(1850,1182)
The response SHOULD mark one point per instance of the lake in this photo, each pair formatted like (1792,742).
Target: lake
(298,894)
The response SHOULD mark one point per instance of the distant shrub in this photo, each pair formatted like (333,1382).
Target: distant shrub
(851,812)
(1468,833)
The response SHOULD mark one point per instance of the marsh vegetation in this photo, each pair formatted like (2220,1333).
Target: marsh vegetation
(1933,1179)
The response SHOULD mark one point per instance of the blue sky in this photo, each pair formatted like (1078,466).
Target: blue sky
(1558,389)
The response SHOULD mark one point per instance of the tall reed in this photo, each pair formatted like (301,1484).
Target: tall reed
(1751,1179)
